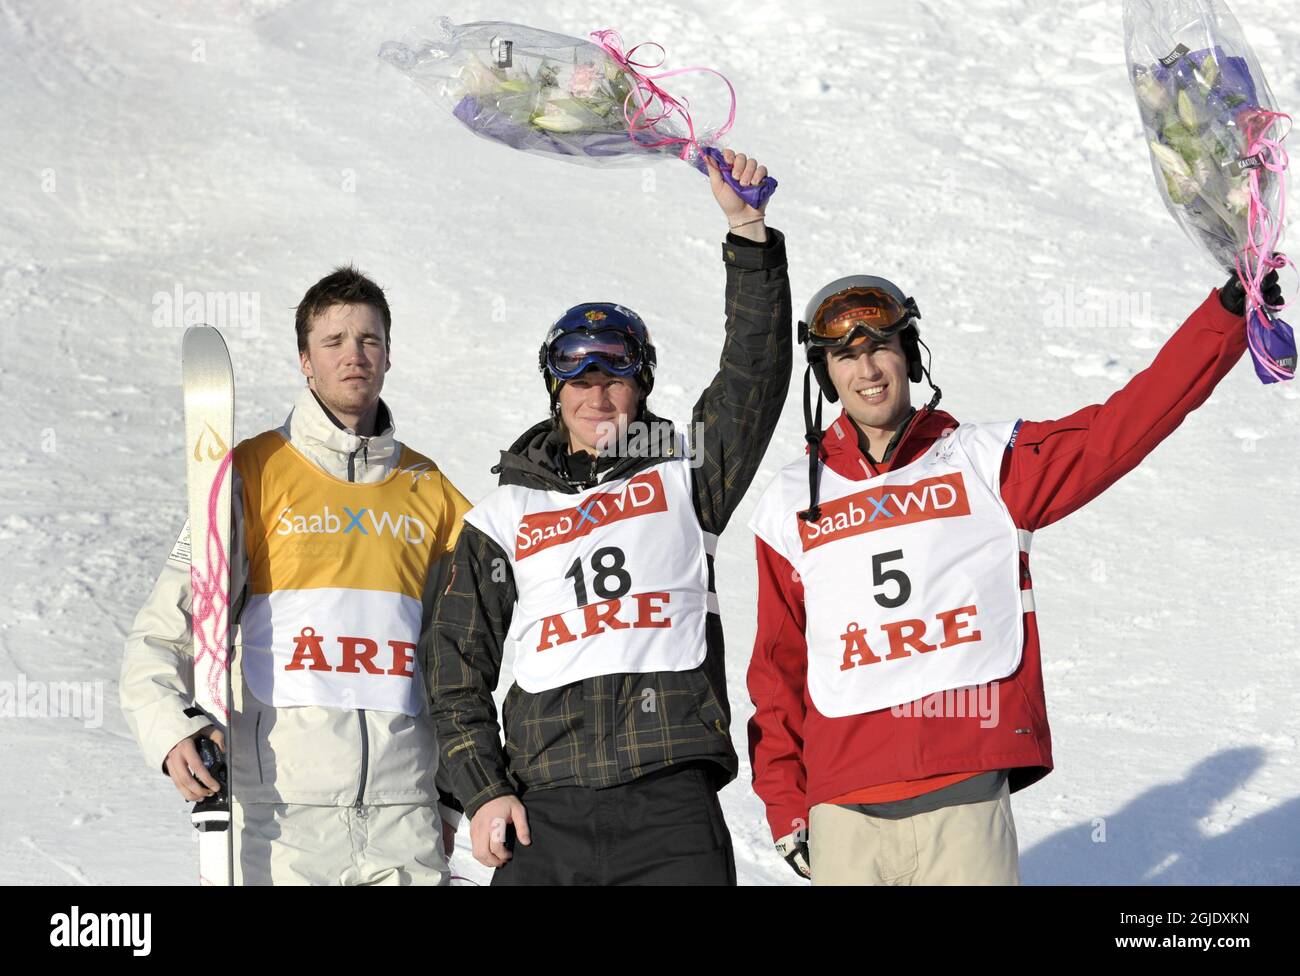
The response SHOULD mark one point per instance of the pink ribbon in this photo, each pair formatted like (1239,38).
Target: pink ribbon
(1263,228)
(644,119)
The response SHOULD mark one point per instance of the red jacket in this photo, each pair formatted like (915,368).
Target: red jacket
(799,756)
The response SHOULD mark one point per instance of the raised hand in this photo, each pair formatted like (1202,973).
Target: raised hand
(743,219)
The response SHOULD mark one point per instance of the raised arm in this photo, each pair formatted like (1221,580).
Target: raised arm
(736,415)
(1058,466)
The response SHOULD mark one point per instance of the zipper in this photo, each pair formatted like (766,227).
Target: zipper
(365,761)
(898,445)
(911,422)
(364,451)
(361,712)
(257,747)
(1036,444)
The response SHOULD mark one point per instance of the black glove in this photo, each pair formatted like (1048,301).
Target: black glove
(1233,295)
(795,852)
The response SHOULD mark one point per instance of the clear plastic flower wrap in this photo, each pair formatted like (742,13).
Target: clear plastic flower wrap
(583,101)
(1215,135)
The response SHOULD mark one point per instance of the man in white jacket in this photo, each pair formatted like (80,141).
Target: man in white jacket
(336,527)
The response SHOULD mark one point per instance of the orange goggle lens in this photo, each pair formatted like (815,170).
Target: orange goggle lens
(875,311)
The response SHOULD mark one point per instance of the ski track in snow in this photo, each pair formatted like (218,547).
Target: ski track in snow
(986,154)
(69,869)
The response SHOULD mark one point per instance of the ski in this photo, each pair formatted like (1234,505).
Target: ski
(209,392)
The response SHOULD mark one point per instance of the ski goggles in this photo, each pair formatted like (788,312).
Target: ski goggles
(857,312)
(572,353)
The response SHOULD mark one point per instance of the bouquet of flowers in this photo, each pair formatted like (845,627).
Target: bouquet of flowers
(1215,140)
(580,101)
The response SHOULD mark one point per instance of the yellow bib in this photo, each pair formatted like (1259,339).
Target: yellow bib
(336,575)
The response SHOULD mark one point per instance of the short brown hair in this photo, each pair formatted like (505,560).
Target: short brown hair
(345,285)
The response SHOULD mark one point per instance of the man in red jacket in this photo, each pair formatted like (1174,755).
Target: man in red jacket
(896,674)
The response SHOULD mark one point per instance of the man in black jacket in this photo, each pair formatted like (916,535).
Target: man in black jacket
(595,557)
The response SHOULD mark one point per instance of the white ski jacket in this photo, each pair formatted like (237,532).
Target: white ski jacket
(302,754)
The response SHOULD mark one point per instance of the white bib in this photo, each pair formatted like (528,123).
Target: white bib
(910,579)
(610,580)
(339,648)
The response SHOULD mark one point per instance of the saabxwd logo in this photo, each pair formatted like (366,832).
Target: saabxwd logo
(880,508)
(642,495)
(360,522)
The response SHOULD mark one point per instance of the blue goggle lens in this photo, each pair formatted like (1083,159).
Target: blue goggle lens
(571,353)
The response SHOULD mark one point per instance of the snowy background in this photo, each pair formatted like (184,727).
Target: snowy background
(986,155)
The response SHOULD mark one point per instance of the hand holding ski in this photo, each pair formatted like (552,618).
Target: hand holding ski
(187,769)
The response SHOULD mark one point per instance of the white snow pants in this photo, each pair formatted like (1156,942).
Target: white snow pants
(969,844)
(297,844)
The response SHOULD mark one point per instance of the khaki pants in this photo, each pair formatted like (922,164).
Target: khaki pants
(971,844)
(298,844)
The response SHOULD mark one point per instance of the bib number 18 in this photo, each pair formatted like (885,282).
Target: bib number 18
(610,581)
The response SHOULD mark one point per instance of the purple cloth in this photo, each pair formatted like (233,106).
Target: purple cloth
(1234,83)
(1278,342)
(755,195)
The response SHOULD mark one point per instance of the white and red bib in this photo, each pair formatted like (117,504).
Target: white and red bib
(610,580)
(336,577)
(911,579)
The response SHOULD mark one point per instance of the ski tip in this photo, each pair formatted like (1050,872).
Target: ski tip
(202,336)
(203,345)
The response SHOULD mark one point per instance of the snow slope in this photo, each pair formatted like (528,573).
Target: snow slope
(985,154)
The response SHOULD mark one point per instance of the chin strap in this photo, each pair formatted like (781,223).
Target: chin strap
(925,371)
(813,432)
(813,437)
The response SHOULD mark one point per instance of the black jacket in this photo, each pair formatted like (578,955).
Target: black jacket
(596,732)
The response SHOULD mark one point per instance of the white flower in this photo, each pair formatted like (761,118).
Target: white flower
(1239,198)
(1170,161)
(1151,92)
(557,121)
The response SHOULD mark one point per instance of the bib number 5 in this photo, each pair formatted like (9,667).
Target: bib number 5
(880,576)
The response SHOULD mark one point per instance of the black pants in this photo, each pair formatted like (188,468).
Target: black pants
(665,828)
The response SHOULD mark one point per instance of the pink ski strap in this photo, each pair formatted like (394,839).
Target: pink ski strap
(210,604)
